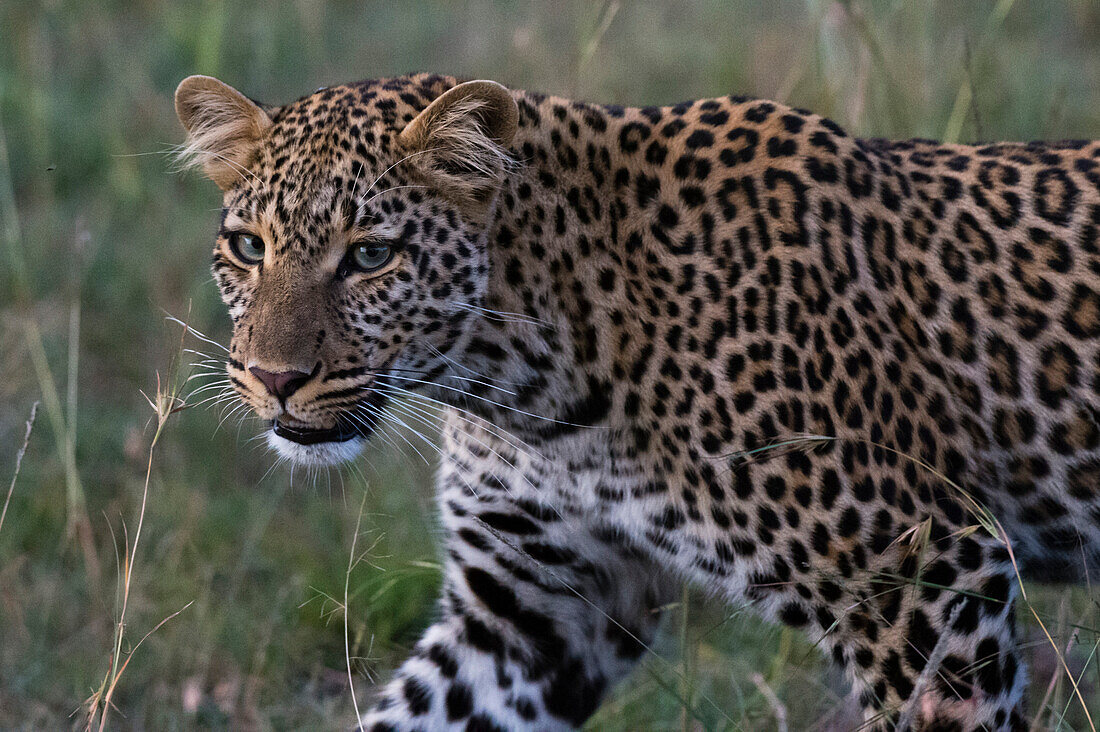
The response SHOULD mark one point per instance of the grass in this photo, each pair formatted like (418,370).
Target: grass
(19,462)
(167,401)
(287,587)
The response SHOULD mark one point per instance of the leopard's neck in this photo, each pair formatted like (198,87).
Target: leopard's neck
(556,300)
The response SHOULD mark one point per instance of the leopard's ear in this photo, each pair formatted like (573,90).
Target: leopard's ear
(462,139)
(224,129)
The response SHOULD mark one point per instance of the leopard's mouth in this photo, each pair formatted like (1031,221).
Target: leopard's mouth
(305,444)
(358,421)
(343,431)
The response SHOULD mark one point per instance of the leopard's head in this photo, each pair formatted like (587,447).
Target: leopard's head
(351,249)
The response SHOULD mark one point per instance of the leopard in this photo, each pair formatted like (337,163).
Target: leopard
(850,384)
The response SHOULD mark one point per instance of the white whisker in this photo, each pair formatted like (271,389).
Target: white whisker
(486,399)
(384,414)
(406,409)
(468,417)
(503,315)
(456,364)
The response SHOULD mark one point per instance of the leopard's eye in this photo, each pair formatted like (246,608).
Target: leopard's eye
(370,256)
(248,248)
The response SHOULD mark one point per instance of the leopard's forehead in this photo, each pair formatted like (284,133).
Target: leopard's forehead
(346,116)
(323,152)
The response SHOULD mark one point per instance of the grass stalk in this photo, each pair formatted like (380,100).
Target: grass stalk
(607,14)
(77,522)
(1052,685)
(19,462)
(778,708)
(165,402)
(985,519)
(1043,627)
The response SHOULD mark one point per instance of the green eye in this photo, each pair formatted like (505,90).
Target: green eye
(248,248)
(370,256)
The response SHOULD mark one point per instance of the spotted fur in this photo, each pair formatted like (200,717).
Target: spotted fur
(721,341)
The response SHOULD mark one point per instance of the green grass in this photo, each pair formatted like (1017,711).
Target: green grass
(100,239)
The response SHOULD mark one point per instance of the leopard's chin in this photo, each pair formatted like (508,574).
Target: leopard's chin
(313,446)
(315,453)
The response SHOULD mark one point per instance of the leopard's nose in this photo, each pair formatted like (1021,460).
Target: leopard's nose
(281,384)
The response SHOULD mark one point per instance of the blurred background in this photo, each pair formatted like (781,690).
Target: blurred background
(102,241)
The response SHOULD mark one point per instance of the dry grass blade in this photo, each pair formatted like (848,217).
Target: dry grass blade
(165,402)
(607,13)
(77,522)
(19,461)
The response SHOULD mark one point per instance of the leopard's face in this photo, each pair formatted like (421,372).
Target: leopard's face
(349,254)
(352,281)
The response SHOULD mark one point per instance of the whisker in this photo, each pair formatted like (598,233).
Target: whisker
(211,356)
(468,417)
(216,379)
(503,315)
(410,156)
(359,210)
(228,414)
(217,400)
(209,366)
(486,382)
(451,361)
(409,405)
(279,460)
(240,423)
(488,400)
(496,453)
(207,358)
(388,421)
(222,384)
(370,409)
(188,150)
(377,427)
